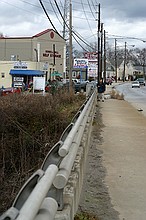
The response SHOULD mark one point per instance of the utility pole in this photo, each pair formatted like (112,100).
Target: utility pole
(104,74)
(66,20)
(124,71)
(101,53)
(70,49)
(66,33)
(98,42)
(116,59)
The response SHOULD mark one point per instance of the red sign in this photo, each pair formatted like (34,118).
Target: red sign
(91,55)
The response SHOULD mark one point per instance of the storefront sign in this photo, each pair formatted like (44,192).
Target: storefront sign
(80,63)
(91,55)
(92,68)
(49,53)
(20,65)
(20,79)
(18,82)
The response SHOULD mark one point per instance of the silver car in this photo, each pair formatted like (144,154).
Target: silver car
(135,84)
(141,81)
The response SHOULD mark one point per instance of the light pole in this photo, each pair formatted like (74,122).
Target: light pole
(36,51)
(125,59)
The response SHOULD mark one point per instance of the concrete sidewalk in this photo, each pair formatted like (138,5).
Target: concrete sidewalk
(124,157)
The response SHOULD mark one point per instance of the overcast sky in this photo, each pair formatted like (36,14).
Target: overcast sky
(126,18)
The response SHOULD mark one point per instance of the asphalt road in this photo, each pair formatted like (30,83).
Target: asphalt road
(135,96)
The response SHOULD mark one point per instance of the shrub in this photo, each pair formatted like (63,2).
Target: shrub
(27,123)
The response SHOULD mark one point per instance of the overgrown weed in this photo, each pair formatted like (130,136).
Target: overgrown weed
(27,123)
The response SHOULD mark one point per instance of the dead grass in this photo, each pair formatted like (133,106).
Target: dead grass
(85,216)
(116,95)
(27,123)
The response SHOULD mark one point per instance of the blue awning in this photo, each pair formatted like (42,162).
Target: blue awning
(26,72)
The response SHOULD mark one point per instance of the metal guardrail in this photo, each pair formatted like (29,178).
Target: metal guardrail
(42,195)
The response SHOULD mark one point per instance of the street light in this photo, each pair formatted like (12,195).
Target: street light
(36,51)
(125,57)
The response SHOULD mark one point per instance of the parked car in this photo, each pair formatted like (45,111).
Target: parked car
(8,91)
(80,86)
(109,81)
(135,84)
(141,81)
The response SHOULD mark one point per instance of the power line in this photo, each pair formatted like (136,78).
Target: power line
(126,37)
(69,27)
(91,9)
(94,5)
(86,16)
(55,11)
(48,16)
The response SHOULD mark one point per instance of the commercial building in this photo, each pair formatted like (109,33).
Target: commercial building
(21,58)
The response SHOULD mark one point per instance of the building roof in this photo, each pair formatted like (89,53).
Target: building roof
(42,33)
(36,35)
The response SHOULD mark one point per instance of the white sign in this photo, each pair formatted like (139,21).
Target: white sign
(39,83)
(20,65)
(17,84)
(92,68)
(80,63)
(20,79)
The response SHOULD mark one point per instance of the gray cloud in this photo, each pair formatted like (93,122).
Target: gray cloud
(126,9)
(126,17)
